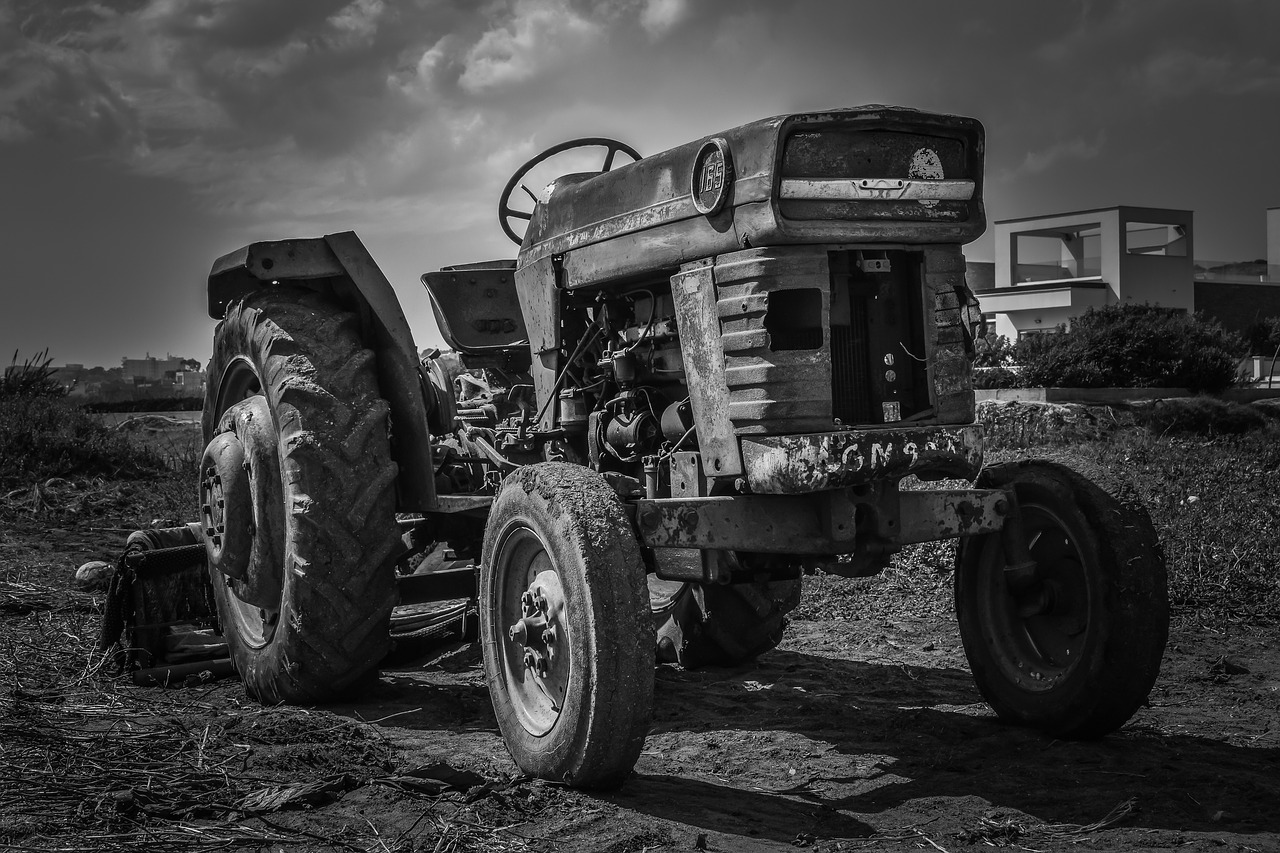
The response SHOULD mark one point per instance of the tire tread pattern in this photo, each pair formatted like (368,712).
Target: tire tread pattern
(339,482)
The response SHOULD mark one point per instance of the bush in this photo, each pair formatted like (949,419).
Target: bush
(1201,416)
(49,436)
(993,350)
(1213,505)
(1133,346)
(1263,337)
(996,377)
(32,378)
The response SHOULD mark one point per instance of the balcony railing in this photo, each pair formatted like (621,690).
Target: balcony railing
(1028,271)
(1237,271)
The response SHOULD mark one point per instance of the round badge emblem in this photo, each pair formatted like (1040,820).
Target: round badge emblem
(712,177)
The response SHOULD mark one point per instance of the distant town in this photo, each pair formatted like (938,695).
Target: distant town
(146,378)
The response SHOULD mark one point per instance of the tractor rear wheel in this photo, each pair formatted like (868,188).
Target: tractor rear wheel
(719,624)
(297,494)
(1073,647)
(568,646)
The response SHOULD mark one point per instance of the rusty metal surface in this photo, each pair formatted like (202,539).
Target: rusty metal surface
(246,269)
(791,464)
(642,217)
(926,516)
(477,310)
(765,524)
(820,524)
(950,366)
(874,189)
(693,292)
(775,384)
(539,292)
(442,585)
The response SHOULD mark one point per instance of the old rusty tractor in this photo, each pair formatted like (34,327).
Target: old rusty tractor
(706,373)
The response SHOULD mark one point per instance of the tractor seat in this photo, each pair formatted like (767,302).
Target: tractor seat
(478,313)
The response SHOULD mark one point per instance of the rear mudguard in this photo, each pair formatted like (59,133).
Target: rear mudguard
(339,266)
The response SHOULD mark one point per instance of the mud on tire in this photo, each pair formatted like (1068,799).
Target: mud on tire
(334,484)
(560,555)
(1076,651)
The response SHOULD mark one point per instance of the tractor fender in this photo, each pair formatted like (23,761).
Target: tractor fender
(339,266)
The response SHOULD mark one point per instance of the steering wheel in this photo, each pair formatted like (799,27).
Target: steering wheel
(506,212)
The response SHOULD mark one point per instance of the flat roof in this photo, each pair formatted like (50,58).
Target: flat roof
(1093,210)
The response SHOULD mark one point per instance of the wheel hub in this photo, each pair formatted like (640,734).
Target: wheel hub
(240,499)
(538,647)
(226,508)
(1047,601)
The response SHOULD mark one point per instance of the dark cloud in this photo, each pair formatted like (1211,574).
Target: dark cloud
(403,118)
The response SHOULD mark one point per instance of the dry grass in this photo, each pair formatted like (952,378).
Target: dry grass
(91,763)
(48,437)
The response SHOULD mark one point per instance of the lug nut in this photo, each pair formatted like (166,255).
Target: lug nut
(549,636)
(528,660)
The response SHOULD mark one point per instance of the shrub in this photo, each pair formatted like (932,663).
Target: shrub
(1213,505)
(1200,416)
(996,377)
(49,436)
(1263,337)
(32,378)
(1142,346)
(993,351)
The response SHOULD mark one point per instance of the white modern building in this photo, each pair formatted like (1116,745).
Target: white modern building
(1050,269)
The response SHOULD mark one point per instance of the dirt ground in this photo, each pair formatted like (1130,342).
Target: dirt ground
(863,731)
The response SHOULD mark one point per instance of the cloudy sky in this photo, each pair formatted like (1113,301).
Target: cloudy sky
(141,139)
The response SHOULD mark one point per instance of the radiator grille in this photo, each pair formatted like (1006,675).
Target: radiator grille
(850,380)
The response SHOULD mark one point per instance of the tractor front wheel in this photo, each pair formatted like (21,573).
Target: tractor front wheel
(1072,646)
(568,647)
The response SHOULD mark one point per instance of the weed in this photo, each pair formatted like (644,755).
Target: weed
(32,378)
(48,436)
(1213,505)
(1200,416)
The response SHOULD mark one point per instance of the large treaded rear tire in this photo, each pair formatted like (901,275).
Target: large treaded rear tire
(335,486)
(1076,651)
(719,624)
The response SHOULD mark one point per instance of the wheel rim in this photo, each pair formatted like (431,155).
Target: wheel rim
(256,625)
(531,632)
(1038,634)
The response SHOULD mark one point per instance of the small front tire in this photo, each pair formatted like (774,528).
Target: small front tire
(1075,649)
(568,646)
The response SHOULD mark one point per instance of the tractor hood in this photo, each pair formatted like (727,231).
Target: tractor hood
(864,174)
